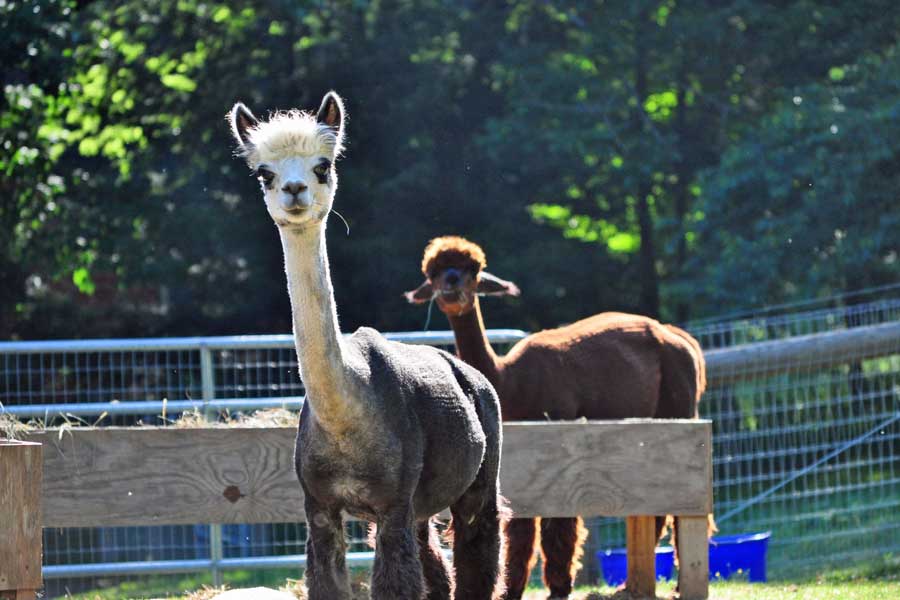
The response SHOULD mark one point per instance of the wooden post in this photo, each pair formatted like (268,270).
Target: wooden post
(693,558)
(640,536)
(20,519)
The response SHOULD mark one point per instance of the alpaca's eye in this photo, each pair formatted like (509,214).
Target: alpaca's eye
(265,175)
(321,171)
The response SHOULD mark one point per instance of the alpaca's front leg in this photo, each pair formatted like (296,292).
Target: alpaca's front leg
(397,572)
(326,568)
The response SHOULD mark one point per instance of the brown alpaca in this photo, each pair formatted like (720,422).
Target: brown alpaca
(608,366)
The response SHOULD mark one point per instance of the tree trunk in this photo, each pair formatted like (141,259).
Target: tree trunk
(682,171)
(649,280)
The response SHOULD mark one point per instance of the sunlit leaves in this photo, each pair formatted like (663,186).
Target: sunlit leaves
(587,229)
(81,277)
(220,14)
(663,11)
(836,73)
(179,82)
(661,105)
(579,63)
(442,49)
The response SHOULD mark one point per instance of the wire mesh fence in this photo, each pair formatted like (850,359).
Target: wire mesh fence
(870,307)
(806,433)
(151,382)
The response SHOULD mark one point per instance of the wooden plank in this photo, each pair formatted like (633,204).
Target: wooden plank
(20,518)
(18,594)
(148,476)
(820,349)
(693,558)
(609,468)
(640,537)
(137,476)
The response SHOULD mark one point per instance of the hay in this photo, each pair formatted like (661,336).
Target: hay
(292,588)
(13,428)
(269,417)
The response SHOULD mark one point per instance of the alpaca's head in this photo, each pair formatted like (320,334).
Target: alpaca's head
(454,276)
(293,154)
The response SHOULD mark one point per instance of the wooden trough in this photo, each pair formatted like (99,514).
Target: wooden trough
(161,476)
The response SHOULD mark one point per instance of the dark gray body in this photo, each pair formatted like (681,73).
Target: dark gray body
(430,438)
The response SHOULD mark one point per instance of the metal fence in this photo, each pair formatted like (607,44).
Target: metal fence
(808,448)
(806,432)
(156,382)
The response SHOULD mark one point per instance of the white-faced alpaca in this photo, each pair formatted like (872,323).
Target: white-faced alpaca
(608,366)
(389,433)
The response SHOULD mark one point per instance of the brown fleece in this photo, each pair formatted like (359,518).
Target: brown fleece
(606,366)
(452,251)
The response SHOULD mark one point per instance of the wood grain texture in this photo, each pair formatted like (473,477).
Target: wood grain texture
(18,594)
(693,558)
(20,517)
(117,476)
(640,536)
(609,468)
(137,476)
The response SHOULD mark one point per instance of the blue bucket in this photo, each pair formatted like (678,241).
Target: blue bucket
(728,554)
(746,553)
(614,564)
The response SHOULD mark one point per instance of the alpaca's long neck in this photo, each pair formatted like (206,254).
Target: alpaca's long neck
(472,343)
(317,335)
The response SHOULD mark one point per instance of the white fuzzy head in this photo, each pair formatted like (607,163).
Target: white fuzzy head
(293,154)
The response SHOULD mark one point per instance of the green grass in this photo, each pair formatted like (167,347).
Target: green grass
(852,590)
(874,580)
(823,590)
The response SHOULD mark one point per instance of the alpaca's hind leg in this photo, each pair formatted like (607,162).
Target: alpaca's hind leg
(476,545)
(434,567)
(520,557)
(326,569)
(562,545)
(397,572)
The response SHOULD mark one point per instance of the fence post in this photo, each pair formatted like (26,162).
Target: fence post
(208,393)
(693,557)
(207,380)
(21,468)
(215,552)
(640,533)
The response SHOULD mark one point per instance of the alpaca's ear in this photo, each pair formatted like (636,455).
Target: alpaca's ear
(242,121)
(421,294)
(331,112)
(491,285)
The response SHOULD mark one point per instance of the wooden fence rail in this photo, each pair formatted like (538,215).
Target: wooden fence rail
(155,476)
(759,359)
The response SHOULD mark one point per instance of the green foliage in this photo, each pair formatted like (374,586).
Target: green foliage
(725,153)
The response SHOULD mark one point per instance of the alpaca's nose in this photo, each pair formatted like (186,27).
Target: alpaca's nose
(451,277)
(293,187)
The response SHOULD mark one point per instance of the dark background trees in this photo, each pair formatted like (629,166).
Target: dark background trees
(677,159)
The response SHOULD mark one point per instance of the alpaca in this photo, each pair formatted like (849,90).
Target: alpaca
(608,366)
(389,433)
